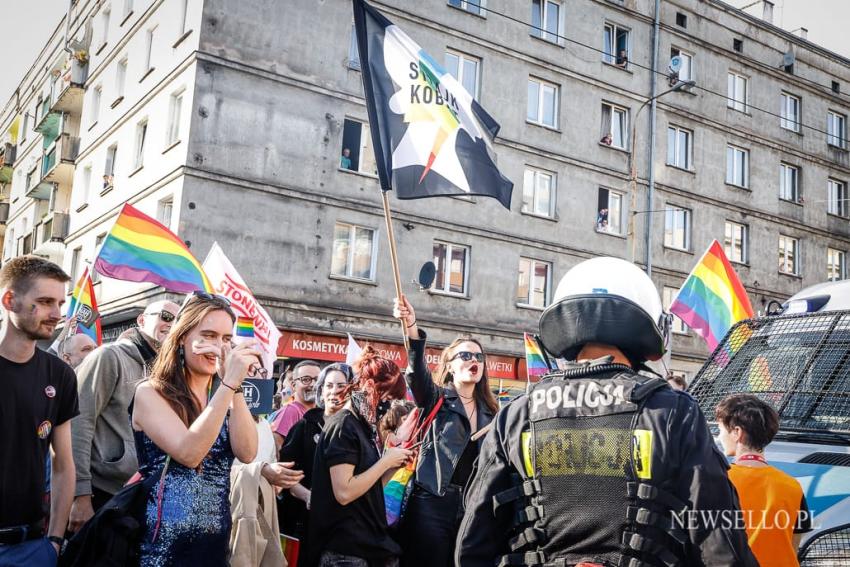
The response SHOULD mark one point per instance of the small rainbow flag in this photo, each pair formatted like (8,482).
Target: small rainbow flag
(83,309)
(140,249)
(534,360)
(291,547)
(245,327)
(712,299)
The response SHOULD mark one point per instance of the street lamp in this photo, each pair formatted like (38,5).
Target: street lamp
(633,165)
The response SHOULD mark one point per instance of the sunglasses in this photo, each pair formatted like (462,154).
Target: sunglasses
(166,316)
(466,356)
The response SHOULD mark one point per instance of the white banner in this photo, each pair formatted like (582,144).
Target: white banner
(228,283)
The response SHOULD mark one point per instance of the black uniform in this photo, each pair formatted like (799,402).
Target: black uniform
(600,464)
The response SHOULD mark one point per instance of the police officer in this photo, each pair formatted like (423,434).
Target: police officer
(598,464)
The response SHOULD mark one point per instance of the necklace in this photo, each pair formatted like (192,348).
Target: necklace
(751,457)
(472,397)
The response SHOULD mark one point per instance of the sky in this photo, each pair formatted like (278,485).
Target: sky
(35,20)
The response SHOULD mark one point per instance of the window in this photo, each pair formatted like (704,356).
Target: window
(120,77)
(790,112)
(128,9)
(678,147)
(737,166)
(353,50)
(735,242)
(25,126)
(452,261)
(353,252)
(164,209)
(109,169)
(616,45)
(737,92)
(472,6)
(789,250)
(542,103)
(357,153)
(184,17)
(686,60)
(836,198)
(96,94)
(836,87)
(681,20)
(668,295)
(738,45)
(789,182)
(464,68)
(95,275)
(86,188)
(538,192)
(141,132)
(104,25)
(175,105)
(148,51)
(546,20)
(677,228)
(836,128)
(835,269)
(75,265)
(609,212)
(615,125)
(534,283)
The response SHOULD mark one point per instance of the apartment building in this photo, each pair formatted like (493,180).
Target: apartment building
(244,123)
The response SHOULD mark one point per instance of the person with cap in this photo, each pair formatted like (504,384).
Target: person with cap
(598,464)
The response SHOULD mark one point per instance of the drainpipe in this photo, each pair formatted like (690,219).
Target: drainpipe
(68,28)
(656,25)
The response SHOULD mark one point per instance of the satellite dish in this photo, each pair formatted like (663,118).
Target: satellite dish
(426,275)
(788,59)
(675,64)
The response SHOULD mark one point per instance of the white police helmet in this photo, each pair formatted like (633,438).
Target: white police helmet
(608,301)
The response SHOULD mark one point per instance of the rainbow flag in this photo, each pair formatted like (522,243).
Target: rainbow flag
(712,299)
(140,249)
(245,327)
(290,546)
(534,359)
(82,309)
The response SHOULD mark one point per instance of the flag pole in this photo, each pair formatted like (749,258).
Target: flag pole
(394,258)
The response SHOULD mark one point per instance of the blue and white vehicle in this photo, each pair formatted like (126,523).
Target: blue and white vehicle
(798,360)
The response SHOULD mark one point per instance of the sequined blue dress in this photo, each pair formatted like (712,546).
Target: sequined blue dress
(195,525)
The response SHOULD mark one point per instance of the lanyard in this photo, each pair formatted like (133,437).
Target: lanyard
(751,457)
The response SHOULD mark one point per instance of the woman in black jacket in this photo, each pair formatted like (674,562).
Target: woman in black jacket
(300,446)
(447,456)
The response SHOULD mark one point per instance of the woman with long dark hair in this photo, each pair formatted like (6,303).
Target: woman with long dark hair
(448,453)
(348,522)
(190,420)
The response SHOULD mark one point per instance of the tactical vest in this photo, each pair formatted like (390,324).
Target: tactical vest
(587,492)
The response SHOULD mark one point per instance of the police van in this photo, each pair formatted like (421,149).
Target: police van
(798,360)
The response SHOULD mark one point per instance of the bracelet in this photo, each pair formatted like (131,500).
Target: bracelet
(228,386)
(58,540)
(412,324)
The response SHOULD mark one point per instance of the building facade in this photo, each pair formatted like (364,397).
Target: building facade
(244,123)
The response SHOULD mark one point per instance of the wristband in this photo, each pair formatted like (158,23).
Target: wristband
(236,390)
(412,324)
(58,540)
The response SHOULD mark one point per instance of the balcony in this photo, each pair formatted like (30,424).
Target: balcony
(50,237)
(58,163)
(34,188)
(69,89)
(4,212)
(8,151)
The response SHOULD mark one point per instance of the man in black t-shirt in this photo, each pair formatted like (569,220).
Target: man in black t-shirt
(39,397)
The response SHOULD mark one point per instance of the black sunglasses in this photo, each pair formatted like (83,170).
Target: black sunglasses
(166,316)
(466,356)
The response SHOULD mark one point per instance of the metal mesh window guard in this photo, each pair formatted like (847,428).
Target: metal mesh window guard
(830,548)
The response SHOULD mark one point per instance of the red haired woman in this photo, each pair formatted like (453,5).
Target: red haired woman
(447,456)
(348,523)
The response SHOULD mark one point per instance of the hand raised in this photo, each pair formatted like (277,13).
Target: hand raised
(404,310)
(237,360)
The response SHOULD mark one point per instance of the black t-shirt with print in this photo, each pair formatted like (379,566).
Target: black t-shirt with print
(360,528)
(35,398)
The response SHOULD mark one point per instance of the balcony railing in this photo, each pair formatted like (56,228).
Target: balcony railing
(58,163)
(70,88)
(4,212)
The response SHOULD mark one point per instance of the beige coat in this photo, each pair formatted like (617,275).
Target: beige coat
(254,538)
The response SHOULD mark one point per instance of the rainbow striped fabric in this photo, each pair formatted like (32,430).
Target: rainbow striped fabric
(534,360)
(82,309)
(140,249)
(712,299)
(245,327)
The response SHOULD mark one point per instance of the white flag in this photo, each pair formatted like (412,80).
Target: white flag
(228,283)
(352,352)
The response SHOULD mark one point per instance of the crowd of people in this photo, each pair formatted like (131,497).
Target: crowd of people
(596,464)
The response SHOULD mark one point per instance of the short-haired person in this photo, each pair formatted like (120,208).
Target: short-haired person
(104,450)
(348,521)
(75,348)
(772,501)
(190,420)
(303,382)
(300,448)
(677,382)
(38,401)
